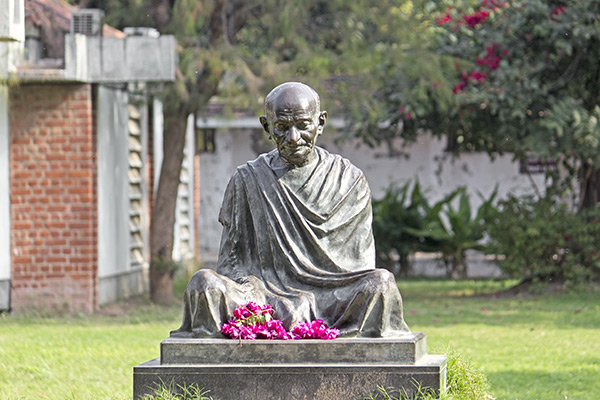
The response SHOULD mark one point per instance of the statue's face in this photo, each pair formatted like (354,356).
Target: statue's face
(294,124)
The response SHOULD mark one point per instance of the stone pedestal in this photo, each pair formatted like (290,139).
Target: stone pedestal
(298,369)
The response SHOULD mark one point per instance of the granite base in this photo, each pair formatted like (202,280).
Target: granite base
(299,370)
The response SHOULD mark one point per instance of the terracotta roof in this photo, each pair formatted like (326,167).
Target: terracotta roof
(109,31)
(41,12)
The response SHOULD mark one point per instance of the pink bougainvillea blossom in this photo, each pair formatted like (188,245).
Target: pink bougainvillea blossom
(459,87)
(478,76)
(559,10)
(252,321)
(466,77)
(492,57)
(491,60)
(444,19)
(476,18)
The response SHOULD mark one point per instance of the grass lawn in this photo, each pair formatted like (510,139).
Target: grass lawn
(544,347)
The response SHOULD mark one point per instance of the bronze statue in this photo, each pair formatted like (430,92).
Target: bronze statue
(296,235)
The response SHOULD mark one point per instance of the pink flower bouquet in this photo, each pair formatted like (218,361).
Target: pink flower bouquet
(252,321)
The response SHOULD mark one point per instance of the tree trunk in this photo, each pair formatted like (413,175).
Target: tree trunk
(404,266)
(589,186)
(459,266)
(186,96)
(163,211)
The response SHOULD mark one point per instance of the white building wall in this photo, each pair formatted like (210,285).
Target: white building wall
(12,20)
(4,202)
(113,199)
(233,148)
(436,170)
(117,277)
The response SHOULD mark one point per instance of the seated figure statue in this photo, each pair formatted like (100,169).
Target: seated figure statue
(297,235)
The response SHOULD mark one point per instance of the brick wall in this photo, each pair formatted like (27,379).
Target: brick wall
(53,197)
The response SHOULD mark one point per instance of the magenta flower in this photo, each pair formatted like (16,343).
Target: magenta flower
(314,330)
(476,18)
(443,19)
(252,321)
(459,87)
(492,58)
(559,10)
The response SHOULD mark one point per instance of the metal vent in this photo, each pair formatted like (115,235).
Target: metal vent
(87,21)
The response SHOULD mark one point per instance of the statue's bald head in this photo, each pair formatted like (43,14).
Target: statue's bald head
(293,121)
(289,95)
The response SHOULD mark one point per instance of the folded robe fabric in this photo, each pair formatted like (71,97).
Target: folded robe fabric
(299,239)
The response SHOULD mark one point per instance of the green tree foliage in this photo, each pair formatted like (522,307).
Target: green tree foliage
(528,81)
(402,85)
(495,76)
(236,50)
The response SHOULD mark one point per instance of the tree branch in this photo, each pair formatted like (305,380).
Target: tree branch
(568,74)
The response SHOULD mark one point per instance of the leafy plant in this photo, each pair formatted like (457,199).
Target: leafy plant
(452,231)
(465,381)
(543,241)
(395,216)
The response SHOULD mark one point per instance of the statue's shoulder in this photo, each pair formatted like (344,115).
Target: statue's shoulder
(260,162)
(344,163)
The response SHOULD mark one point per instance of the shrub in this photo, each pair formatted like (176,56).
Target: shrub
(394,215)
(404,222)
(454,230)
(544,241)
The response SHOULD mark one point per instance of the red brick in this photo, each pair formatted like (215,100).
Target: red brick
(56,174)
(53,195)
(21,260)
(56,242)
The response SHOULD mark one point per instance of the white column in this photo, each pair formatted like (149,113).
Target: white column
(113,200)
(4,202)
(157,141)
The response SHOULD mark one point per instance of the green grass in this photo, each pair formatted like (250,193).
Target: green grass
(79,358)
(544,347)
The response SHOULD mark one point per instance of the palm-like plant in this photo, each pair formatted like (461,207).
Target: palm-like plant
(454,230)
(395,216)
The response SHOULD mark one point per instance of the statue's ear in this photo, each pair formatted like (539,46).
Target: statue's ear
(322,120)
(265,124)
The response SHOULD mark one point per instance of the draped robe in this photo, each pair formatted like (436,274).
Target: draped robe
(299,239)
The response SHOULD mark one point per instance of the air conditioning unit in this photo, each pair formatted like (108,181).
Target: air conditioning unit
(87,21)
